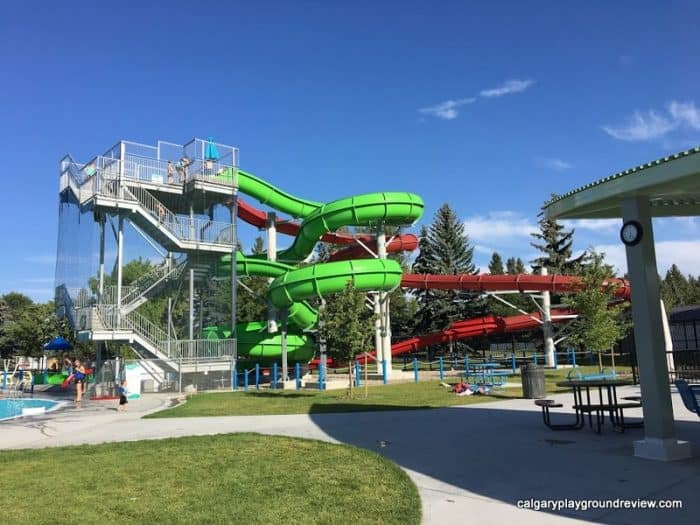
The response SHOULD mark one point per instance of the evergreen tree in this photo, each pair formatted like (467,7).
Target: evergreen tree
(556,245)
(496,264)
(444,250)
(676,289)
(515,266)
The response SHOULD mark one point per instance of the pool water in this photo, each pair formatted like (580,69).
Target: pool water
(10,408)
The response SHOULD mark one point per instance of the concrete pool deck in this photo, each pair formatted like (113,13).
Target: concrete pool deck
(472,462)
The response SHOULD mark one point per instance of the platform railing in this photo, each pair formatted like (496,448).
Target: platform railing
(202,348)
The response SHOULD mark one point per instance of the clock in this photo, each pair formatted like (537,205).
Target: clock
(631,233)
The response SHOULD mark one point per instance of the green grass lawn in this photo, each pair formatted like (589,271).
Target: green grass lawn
(234,478)
(404,396)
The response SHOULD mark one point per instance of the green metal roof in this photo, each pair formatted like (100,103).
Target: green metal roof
(671,183)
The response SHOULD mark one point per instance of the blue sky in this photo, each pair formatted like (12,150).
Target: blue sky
(488,107)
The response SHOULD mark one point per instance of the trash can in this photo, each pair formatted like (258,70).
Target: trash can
(532,378)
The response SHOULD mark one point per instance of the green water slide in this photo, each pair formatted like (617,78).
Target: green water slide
(292,286)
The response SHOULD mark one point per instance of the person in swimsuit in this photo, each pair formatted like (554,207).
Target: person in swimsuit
(80,376)
(123,401)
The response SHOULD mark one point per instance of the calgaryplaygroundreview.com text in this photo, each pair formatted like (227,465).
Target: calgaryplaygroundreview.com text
(596,504)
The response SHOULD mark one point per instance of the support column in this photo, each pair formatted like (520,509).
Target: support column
(659,431)
(271,229)
(120,264)
(234,270)
(191,305)
(547,330)
(378,353)
(191,236)
(101,290)
(384,306)
(285,372)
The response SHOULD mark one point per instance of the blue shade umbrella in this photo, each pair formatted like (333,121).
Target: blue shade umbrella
(210,151)
(58,343)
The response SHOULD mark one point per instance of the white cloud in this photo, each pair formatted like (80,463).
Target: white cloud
(446,110)
(685,112)
(681,253)
(498,224)
(595,225)
(480,248)
(641,127)
(507,88)
(653,125)
(555,164)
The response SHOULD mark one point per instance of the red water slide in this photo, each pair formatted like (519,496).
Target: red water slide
(479,326)
(505,283)
(258,218)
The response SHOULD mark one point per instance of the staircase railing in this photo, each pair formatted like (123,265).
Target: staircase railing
(182,227)
(170,269)
(158,339)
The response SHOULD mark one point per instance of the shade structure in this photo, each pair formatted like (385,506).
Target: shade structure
(211,152)
(58,343)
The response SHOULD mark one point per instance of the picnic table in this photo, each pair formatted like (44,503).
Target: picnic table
(607,403)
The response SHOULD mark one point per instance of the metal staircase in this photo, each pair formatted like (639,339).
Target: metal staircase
(148,284)
(104,184)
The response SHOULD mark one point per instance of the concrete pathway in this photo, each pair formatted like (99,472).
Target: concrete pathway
(472,462)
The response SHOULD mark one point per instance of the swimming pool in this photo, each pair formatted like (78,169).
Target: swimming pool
(11,408)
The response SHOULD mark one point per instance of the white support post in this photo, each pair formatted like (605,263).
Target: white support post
(102,260)
(285,372)
(191,234)
(378,334)
(384,306)
(120,264)
(659,430)
(191,305)
(670,363)
(271,229)
(547,331)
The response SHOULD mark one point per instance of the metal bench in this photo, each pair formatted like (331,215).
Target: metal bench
(546,404)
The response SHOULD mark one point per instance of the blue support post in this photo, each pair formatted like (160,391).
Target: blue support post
(590,357)
(415,370)
(573,357)
(4,379)
(245,380)
(454,363)
(274,375)
(512,361)
(534,356)
(257,376)
(297,375)
(384,377)
(442,368)
(234,378)
(358,374)
(556,359)
(321,376)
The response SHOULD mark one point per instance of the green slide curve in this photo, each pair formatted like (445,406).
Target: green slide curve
(292,286)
